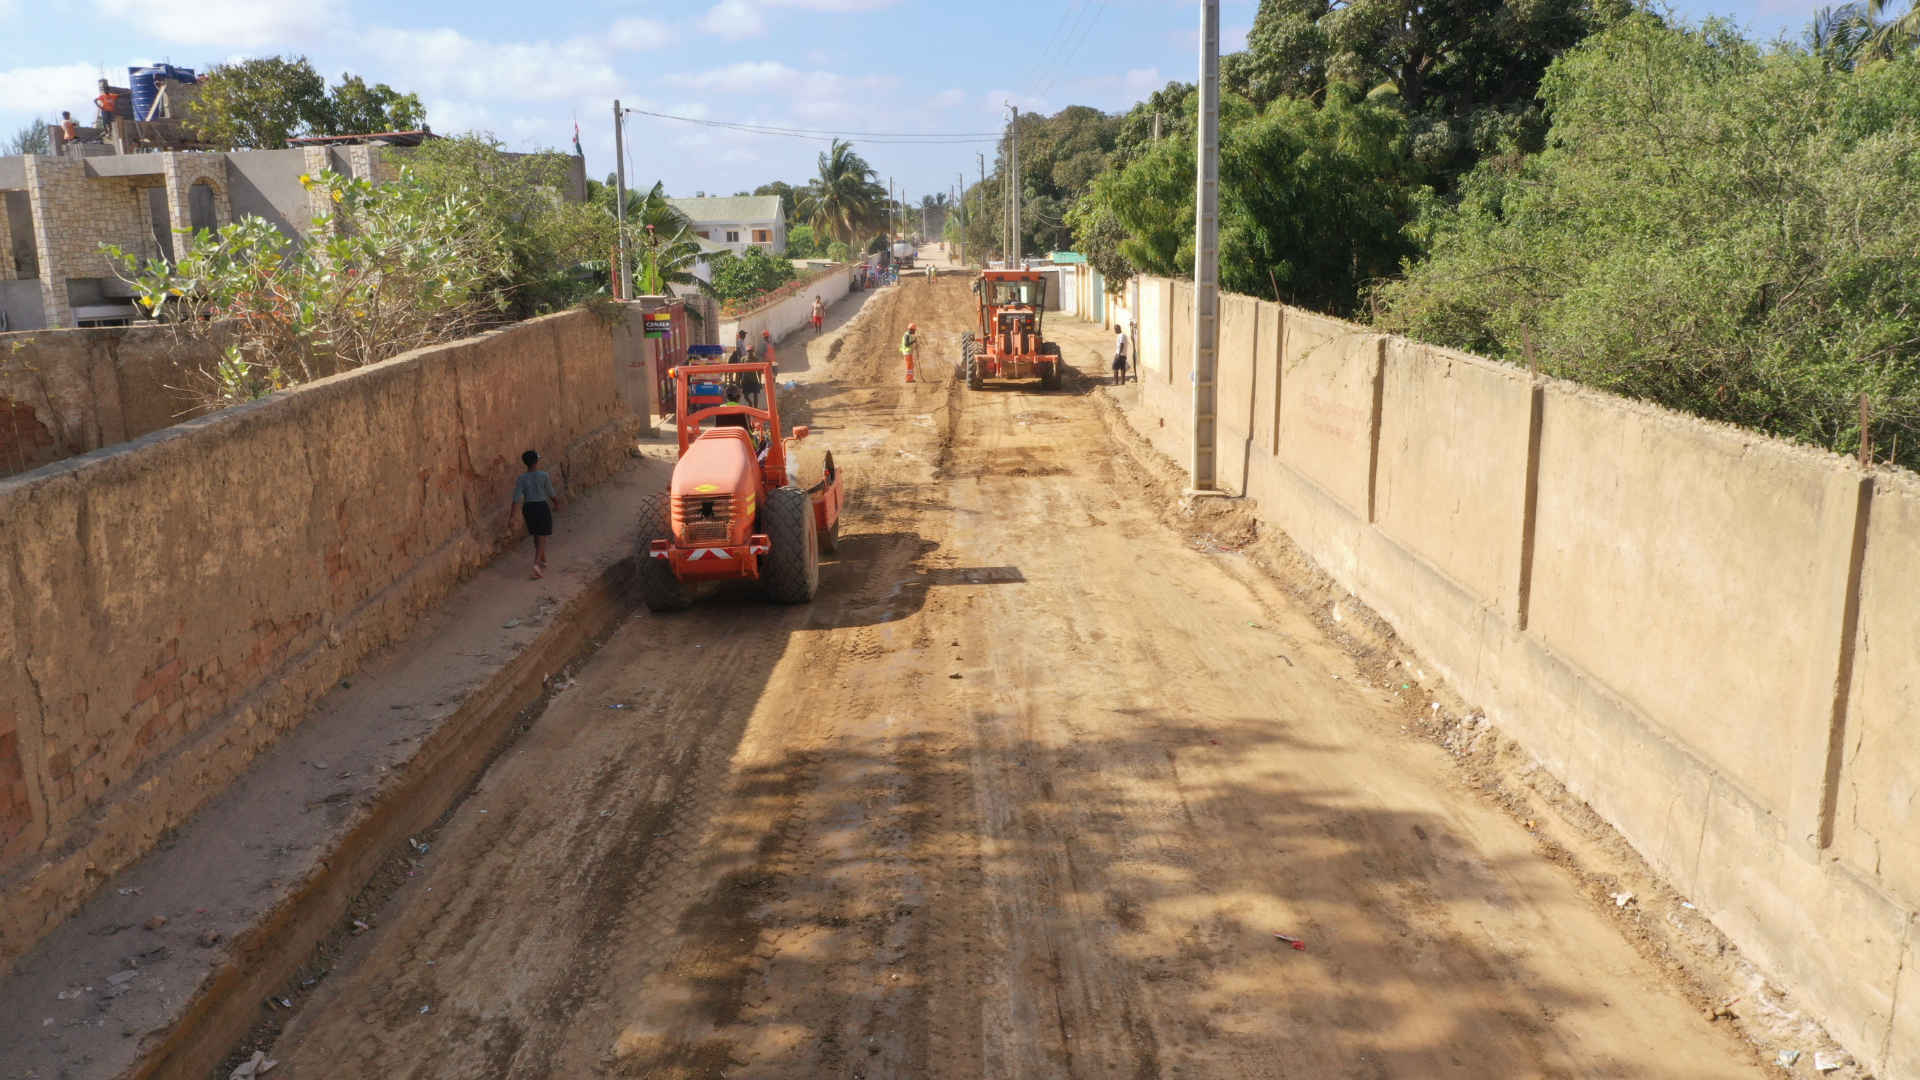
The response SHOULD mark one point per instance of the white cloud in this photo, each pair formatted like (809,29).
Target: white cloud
(734,19)
(449,63)
(247,24)
(1145,80)
(639,35)
(48,90)
(773,77)
(947,99)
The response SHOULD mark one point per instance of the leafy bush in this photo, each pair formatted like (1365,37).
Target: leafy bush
(555,250)
(387,270)
(742,277)
(1717,227)
(1314,202)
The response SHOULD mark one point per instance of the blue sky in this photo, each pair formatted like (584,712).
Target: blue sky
(525,72)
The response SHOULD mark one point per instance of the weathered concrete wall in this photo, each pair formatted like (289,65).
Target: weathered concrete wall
(1707,634)
(783,317)
(176,603)
(92,388)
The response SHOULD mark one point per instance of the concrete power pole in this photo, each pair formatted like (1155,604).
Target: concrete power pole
(1015,193)
(620,197)
(960,204)
(1206,254)
(983,197)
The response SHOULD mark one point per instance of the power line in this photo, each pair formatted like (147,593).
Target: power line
(1041,63)
(810,133)
(1076,49)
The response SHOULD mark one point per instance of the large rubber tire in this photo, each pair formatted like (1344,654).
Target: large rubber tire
(966,352)
(659,589)
(1050,373)
(790,573)
(808,464)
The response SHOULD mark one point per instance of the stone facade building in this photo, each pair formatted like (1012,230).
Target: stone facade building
(61,210)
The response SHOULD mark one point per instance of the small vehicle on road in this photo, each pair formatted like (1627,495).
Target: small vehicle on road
(744,502)
(1007,343)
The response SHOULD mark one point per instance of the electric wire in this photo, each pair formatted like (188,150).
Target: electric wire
(1042,62)
(1076,49)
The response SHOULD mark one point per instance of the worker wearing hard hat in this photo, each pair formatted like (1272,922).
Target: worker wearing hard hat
(908,343)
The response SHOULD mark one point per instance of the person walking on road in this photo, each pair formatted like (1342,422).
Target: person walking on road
(909,342)
(534,494)
(750,387)
(1120,357)
(766,347)
(742,351)
(819,315)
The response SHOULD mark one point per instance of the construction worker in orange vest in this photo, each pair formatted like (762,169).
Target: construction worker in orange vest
(908,343)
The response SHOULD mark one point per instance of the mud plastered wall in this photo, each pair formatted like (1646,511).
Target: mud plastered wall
(176,603)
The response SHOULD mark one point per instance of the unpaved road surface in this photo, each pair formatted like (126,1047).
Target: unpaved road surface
(1024,794)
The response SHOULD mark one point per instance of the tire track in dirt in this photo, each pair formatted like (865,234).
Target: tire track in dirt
(1024,793)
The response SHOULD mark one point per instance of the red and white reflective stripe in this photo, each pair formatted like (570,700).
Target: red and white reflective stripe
(710,553)
(660,549)
(758,549)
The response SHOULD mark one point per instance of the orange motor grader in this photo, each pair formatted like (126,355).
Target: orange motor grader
(744,503)
(1007,343)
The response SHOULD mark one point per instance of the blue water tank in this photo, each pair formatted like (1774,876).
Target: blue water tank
(145,83)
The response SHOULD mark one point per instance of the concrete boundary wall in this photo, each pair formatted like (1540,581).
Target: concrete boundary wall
(174,604)
(1708,635)
(783,317)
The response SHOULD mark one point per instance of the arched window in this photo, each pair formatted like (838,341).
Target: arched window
(200,212)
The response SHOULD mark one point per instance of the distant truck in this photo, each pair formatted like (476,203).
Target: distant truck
(904,253)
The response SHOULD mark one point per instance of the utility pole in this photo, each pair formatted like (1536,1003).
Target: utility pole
(1206,255)
(889,217)
(1017,261)
(960,203)
(983,197)
(620,196)
(1156,127)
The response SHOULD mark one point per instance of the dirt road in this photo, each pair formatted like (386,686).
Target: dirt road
(1026,793)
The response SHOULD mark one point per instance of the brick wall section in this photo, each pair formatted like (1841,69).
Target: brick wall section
(177,603)
(25,442)
(90,389)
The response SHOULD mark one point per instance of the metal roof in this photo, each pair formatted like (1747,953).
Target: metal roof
(384,138)
(730,210)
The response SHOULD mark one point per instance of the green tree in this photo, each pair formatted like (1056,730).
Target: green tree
(664,249)
(258,104)
(790,197)
(31,138)
(800,243)
(554,250)
(354,108)
(844,201)
(748,274)
(1467,73)
(1716,227)
(1314,203)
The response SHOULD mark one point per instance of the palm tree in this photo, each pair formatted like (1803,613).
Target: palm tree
(664,247)
(1896,35)
(1852,34)
(844,201)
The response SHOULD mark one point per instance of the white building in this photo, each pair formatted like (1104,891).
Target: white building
(738,222)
